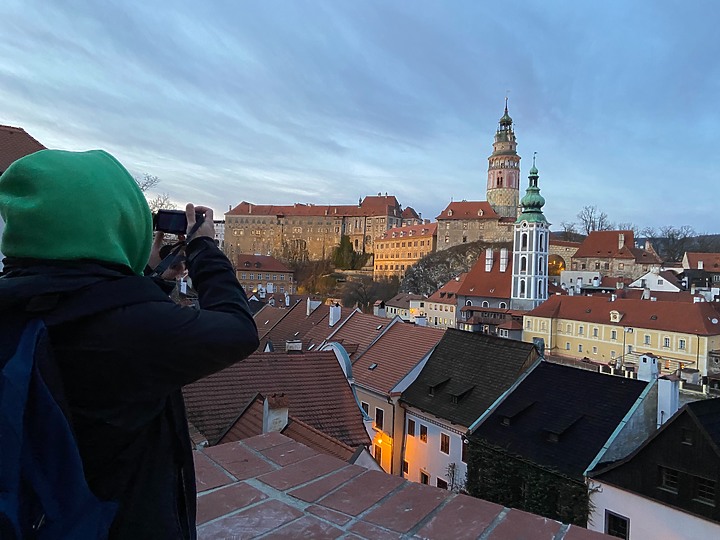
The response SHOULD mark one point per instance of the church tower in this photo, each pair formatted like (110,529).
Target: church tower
(503,187)
(530,249)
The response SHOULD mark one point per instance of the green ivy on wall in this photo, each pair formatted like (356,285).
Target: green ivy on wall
(499,477)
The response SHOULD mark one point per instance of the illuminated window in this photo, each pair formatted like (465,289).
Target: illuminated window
(423,433)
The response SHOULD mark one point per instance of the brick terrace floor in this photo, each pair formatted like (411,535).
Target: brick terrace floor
(270,486)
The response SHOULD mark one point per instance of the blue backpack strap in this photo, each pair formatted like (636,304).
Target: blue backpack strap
(43,491)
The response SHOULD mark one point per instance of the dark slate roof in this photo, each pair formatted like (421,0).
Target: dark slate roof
(579,408)
(707,412)
(477,368)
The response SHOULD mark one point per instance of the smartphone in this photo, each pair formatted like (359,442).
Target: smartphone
(173,221)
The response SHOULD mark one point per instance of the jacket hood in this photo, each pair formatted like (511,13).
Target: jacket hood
(60,205)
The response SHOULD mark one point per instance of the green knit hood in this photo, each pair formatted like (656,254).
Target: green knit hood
(74,205)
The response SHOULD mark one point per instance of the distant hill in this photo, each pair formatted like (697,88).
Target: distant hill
(436,269)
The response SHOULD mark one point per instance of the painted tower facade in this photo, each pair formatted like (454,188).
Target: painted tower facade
(503,186)
(530,249)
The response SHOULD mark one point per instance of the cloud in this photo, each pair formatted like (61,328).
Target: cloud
(325,102)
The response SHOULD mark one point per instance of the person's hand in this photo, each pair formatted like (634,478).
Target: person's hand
(207,228)
(155,258)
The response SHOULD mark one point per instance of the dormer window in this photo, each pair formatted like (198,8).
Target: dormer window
(450,212)
(257,265)
(480,212)
(615,316)
(247,264)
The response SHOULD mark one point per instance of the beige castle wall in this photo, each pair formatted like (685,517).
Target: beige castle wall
(455,232)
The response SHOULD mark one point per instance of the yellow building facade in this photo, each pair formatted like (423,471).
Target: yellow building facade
(682,335)
(400,248)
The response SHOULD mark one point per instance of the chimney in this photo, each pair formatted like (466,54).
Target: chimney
(621,240)
(692,289)
(488,259)
(668,398)
(613,297)
(648,246)
(578,285)
(596,281)
(275,413)
(250,208)
(335,314)
(503,259)
(311,306)
(645,294)
(648,368)
(287,300)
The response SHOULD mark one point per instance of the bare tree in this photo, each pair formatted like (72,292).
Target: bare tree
(146,181)
(569,229)
(629,226)
(161,201)
(592,219)
(676,241)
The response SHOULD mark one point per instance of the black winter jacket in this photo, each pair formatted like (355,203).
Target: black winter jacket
(122,372)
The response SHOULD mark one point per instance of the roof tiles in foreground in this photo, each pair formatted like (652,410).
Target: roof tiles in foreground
(272,487)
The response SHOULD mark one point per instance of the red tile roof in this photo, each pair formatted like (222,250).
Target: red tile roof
(268,316)
(370,206)
(447,294)
(15,143)
(313,381)
(263,263)
(493,284)
(297,324)
(711,261)
(683,317)
(606,244)
(359,330)
(307,495)
(393,355)
(250,424)
(403,300)
(468,210)
(427,230)
(410,213)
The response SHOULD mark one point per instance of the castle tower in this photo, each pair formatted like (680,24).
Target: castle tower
(530,249)
(503,187)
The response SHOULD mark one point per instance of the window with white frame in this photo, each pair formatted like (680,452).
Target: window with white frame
(681,344)
(444,443)
(617,525)
(666,342)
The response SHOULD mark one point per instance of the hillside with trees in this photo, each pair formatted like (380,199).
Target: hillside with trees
(436,269)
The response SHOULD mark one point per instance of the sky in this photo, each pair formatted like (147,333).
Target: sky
(325,102)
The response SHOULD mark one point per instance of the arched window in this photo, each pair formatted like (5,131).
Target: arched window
(523,241)
(523,264)
(522,288)
(541,268)
(468,303)
(503,305)
(485,303)
(542,242)
(540,289)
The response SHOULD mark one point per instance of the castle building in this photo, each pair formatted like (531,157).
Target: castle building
(503,185)
(308,231)
(530,249)
(401,247)
(491,220)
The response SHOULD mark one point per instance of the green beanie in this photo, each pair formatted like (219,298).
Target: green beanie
(74,205)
